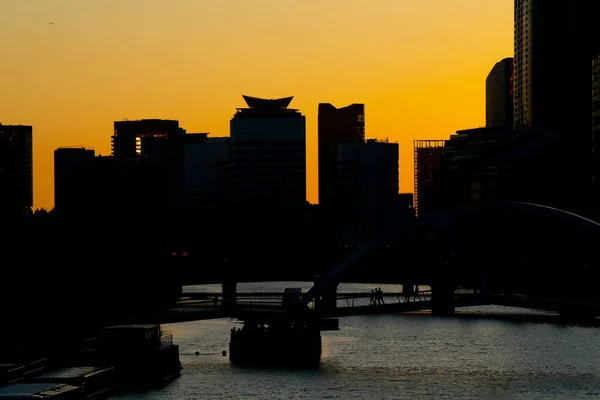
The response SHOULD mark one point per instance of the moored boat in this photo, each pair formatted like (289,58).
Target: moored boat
(40,390)
(95,382)
(276,345)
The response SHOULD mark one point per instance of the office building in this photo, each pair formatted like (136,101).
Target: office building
(336,126)
(118,191)
(142,137)
(268,157)
(153,144)
(366,184)
(427,157)
(206,172)
(553,48)
(496,163)
(69,198)
(499,108)
(16,168)
(554,44)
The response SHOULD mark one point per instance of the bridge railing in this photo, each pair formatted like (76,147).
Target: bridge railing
(259,305)
(273,301)
(366,299)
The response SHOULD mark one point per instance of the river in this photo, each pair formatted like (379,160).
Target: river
(480,353)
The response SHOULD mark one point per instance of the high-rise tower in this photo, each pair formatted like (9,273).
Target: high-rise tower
(16,168)
(336,126)
(140,137)
(268,157)
(499,106)
(553,50)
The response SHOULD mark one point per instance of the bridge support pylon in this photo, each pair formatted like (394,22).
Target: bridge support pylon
(229,295)
(442,298)
(408,289)
(278,343)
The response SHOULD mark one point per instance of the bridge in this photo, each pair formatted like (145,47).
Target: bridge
(272,306)
(557,257)
(561,237)
(552,265)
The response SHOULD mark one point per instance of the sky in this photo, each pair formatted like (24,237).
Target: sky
(419,66)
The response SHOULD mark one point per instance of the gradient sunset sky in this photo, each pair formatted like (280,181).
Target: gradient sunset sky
(419,66)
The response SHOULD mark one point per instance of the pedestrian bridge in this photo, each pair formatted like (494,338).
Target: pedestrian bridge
(266,307)
(570,244)
(565,240)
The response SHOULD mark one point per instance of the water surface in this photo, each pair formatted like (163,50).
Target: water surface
(481,353)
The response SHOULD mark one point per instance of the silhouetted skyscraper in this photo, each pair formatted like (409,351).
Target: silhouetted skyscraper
(16,168)
(366,184)
(138,138)
(336,126)
(268,156)
(554,43)
(427,157)
(154,144)
(553,48)
(499,108)
(69,196)
(206,172)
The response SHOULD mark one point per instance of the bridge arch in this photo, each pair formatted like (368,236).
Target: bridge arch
(442,218)
(442,221)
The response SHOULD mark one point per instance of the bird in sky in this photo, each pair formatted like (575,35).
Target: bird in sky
(50,23)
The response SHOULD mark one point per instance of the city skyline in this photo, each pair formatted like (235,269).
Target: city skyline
(426,158)
(419,73)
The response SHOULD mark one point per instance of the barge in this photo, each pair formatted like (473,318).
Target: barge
(119,357)
(140,354)
(40,391)
(95,382)
(289,345)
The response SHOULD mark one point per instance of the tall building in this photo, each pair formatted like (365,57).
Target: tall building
(553,48)
(69,198)
(268,156)
(336,126)
(499,108)
(497,163)
(154,144)
(427,158)
(366,184)
(114,191)
(140,137)
(554,43)
(16,168)
(206,172)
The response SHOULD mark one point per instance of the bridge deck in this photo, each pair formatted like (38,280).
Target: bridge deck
(269,306)
(264,306)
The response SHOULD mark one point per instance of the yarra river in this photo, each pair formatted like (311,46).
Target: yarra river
(480,353)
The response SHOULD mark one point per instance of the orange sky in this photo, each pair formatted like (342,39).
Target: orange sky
(419,66)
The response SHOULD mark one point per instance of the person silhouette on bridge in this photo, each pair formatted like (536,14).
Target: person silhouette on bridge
(373,301)
(379,296)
